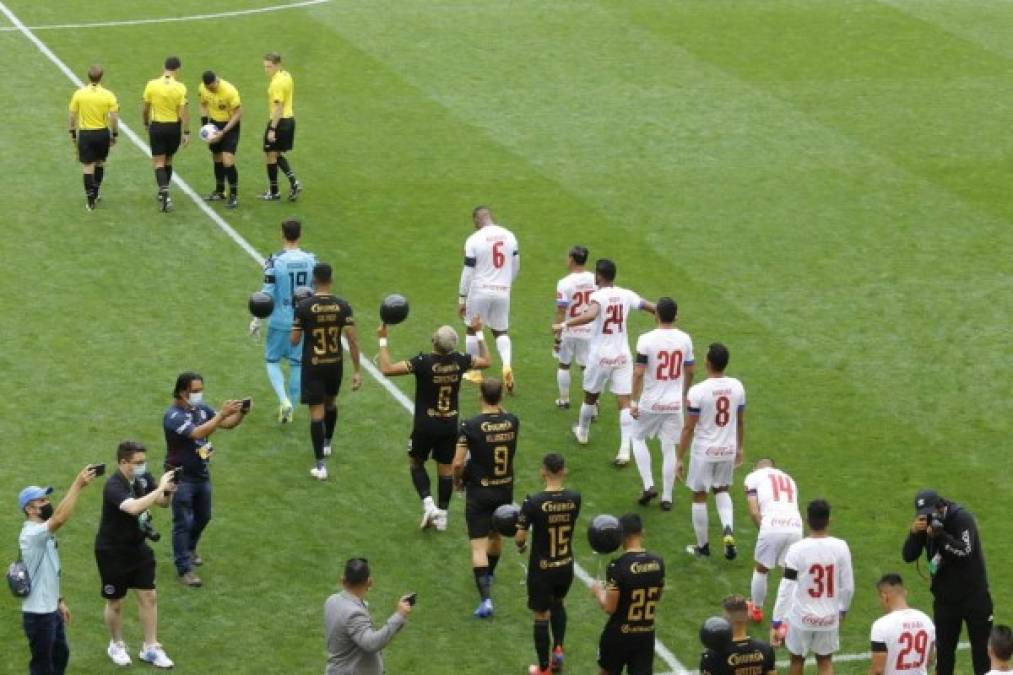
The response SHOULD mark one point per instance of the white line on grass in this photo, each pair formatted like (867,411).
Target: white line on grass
(168,19)
(864,656)
(662,651)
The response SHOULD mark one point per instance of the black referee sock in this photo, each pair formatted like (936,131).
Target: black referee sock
(420,479)
(219,177)
(558,619)
(317,434)
(100,172)
(482,581)
(89,186)
(444,488)
(161,179)
(232,174)
(493,561)
(286,169)
(542,642)
(168,174)
(272,177)
(330,421)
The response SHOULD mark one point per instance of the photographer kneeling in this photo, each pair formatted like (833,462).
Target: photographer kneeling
(125,561)
(949,536)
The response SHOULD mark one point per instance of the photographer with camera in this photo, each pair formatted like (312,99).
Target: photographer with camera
(949,536)
(353,646)
(188,423)
(125,561)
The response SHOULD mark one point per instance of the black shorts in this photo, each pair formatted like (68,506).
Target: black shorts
(442,444)
(479,505)
(229,142)
(547,587)
(124,568)
(284,136)
(320,382)
(617,650)
(164,137)
(92,145)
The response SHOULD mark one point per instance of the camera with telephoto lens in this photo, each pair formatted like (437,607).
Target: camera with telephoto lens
(144,522)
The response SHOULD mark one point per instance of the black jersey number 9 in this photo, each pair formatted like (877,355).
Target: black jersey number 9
(501,460)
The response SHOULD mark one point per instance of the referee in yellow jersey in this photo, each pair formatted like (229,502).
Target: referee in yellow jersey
(94,123)
(167,119)
(220,105)
(279,137)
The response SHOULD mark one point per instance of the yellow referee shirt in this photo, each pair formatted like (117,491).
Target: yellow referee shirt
(280,90)
(220,104)
(92,105)
(165,96)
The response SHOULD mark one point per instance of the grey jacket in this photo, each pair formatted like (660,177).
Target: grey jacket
(353,647)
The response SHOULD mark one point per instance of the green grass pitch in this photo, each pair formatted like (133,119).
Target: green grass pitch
(824,186)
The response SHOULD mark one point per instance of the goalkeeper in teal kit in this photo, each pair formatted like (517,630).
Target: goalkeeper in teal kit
(284,272)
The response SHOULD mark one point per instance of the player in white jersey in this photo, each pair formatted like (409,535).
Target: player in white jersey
(1000,650)
(715,423)
(661,377)
(814,595)
(773,506)
(573,293)
(609,359)
(491,264)
(904,639)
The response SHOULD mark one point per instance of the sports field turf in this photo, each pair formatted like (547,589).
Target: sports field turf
(823,186)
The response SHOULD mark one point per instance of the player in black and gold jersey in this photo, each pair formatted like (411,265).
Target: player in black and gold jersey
(279,137)
(551,515)
(434,429)
(490,440)
(94,126)
(321,318)
(220,105)
(167,119)
(743,655)
(633,585)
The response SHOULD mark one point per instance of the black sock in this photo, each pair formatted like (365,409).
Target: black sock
(232,174)
(330,420)
(558,619)
(444,489)
(317,434)
(160,178)
(168,173)
(272,177)
(219,177)
(482,581)
(286,169)
(493,561)
(542,642)
(420,479)
(89,186)
(100,172)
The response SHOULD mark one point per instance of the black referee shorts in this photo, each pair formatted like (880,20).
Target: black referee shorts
(319,382)
(164,137)
(229,142)
(92,145)
(123,568)
(284,136)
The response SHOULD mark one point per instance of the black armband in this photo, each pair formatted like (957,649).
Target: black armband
(73,133)
(879,647)
(790,574)
(203,120)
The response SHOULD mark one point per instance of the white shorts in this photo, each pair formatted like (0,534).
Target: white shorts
(573,348)
(492,308)
(652,425)
(800,641)
(704,476)
(771,547)
(620,378)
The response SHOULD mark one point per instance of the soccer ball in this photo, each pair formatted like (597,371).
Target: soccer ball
(604,534)
(207,131)
(504,519)
(394,309)
(261,305)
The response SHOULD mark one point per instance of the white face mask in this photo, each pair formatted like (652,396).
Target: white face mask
(196,397)
(140,470)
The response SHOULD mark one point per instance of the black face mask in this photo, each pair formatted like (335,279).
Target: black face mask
(46,511)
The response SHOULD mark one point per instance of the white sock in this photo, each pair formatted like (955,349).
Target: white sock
(471,344)
(667,469)
(428,503)
(503,347)
(563,380)
(643,458)
(626,423)
(758,589)
(586,413)
(700,523)
(723,502)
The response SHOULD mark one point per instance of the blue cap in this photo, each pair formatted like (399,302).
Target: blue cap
(32,492)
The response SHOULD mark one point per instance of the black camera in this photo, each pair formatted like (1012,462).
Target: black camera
(149,531)
(935,522)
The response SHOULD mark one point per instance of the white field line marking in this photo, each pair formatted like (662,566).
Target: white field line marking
(663,652)
(865,656)
(168,19)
